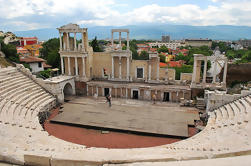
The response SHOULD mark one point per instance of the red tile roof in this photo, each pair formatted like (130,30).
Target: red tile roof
(161,64)
(175,63)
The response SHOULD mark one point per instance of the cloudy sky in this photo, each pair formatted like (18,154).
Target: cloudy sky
(36,14)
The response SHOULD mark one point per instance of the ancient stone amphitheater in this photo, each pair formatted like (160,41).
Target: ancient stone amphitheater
(226,140)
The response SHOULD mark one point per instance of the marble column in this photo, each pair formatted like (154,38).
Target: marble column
(205,71)
(149,71)
(83,66)
(112,40)
(97,90)
(157,69)
(120,75)
(75,42)
(194,70)
(126,93)
(225,72)
(214,71)
(68,42)
(127,69)
(76,66)
(116,92)
(120,46)
(62,65)
(112,67)
(69,66)
(83,42)
(60,41)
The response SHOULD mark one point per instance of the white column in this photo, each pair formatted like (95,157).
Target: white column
(112,67)
(149,71)
(62,65)
(120,46)
(97,90)
(225,72)
(157,69)
(214,71)
(127,69)
(60,41)
(25,42)
(127,41)
(68,41)
(83,43)
(120,76)
(112,40)
(194,70)
(116,92)
(76,66)
(83,66)
(126,93)
(69,66)
(75,42)
(205,71)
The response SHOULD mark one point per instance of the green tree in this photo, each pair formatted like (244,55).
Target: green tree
(53,59)
(182,69)
(180,56)
(134,48)
(124,48)
(95,45)
(144,55)
(162,58)
(163,49)
(10,51)
(50,52)
(45,73)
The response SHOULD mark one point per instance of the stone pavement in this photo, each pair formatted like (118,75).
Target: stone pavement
(131,115)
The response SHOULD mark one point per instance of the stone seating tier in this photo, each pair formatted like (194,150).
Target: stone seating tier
(23,141)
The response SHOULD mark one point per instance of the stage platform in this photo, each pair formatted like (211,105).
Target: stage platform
(128,115)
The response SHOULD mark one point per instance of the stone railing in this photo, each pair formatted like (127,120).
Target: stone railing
(215,99)
(39,81)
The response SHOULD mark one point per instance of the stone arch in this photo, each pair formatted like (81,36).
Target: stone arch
(68,90)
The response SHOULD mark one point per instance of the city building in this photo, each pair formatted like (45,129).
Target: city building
(198,42)
(245,43)
(165,39)
(36,64)
(171,45)
(28,41)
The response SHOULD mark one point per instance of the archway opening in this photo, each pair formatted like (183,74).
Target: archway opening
(68,92)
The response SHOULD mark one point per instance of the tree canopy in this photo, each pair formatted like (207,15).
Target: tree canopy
(162,58)
(96,46)
(10,51)
(50,52)
(163,49)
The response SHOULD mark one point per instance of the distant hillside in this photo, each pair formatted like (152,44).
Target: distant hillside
(221,32)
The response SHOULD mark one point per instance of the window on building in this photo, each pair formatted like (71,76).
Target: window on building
(39,64)
(140,72)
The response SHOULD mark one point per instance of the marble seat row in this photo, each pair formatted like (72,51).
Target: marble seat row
(225,123)
(21,99)
(228,131)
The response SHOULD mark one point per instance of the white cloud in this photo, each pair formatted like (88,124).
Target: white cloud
(226,14)
(106,12)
